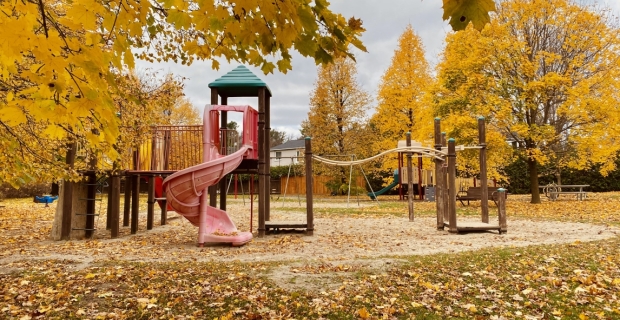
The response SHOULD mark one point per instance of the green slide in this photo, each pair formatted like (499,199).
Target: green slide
(373,195)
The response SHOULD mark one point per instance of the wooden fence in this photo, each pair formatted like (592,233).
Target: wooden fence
(297,185)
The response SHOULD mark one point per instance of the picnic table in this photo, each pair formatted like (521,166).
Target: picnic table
(475,193)
(553,191)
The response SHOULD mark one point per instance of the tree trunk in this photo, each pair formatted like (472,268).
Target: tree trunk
(533,169)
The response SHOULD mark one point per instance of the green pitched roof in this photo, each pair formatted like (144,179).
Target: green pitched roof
(239,82)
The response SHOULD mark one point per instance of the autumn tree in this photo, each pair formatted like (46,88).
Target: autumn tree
(337,117)
(545,74)
(276,138)
(183,112)
(59,60)
(401,96)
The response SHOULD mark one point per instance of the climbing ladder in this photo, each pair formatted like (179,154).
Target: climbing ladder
(93,195)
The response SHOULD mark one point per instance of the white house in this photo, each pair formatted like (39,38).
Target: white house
(289,152)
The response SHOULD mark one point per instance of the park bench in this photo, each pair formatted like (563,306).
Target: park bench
(475,194)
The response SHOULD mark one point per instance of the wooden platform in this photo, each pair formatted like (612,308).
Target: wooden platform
(272,225)
(474,226)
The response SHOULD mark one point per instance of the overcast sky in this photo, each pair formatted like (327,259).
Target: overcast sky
(384,22)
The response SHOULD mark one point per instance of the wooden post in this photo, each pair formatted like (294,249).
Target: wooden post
(266,152)
(167,147)
(439,177)
(164,207)
(444,177)
(115,195)
(135,202)
(67,194)
(127,204)
(153,150)
(150,203)
(401,196)
(452,185)
(262,158)
(108,220)
(212,189)
(482,142)
(420,178)
(409,178)
(501,207)
(309,208)
(223,151)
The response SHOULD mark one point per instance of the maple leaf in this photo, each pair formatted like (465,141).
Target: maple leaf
(461,12)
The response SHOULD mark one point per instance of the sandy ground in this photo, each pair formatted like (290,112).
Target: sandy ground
(344,238)
(372,240)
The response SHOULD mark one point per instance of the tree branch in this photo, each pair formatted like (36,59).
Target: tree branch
(42,8)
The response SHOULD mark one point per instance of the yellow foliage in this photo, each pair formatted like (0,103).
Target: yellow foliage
(337,117)
(555,94)
(401,104)
(60,61)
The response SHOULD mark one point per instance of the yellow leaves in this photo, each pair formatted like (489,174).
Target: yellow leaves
(54,132)
(81,13)
(470,307)
(363,313)
(89,276)
(178,18)
(461,12)
(402,107)
(12,114)
(128,58)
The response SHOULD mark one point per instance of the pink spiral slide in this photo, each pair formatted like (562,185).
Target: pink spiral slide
(186,190)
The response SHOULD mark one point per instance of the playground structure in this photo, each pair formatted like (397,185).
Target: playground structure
(186,189)
(175,148)
(444,155)
(373,194)
(171,149)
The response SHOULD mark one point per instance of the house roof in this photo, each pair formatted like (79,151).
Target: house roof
(240,82)
(291,145)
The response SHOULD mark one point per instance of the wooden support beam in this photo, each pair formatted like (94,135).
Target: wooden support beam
(266,153)
(452,185)
(263,193)
(501,207)
(67,194)
(439,187)
(444,177)
(114,195)
(309,207)
(223,151)
(164,207)
(135,202)
(409,178)
(127,204)
(150,203)
(482,142)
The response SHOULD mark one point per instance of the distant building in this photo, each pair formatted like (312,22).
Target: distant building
(289,152)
